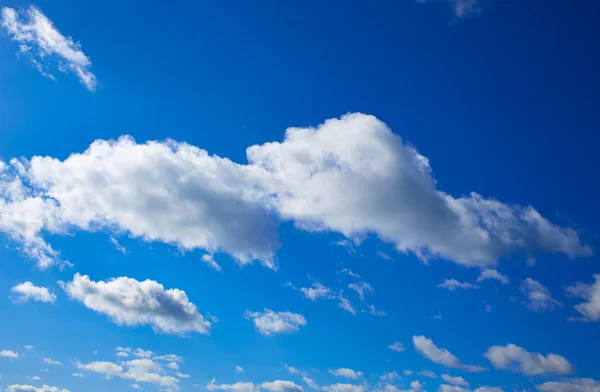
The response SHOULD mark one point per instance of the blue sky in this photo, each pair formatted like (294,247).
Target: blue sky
(293,206)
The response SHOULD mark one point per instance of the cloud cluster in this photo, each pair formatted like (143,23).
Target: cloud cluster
(272,386)
(270,323)
(350,175)
(347,373)
(31,388)
(27,291)
(441,356)
(42,43)
(570,385)
(513,357)
(127,301)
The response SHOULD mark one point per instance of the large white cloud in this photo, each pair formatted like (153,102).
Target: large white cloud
(441,356)
(270,322)
(9,354)
(571,385)
(350,175)
(27,291)
(590,309)
(41,41)
(129,302)
(513,357)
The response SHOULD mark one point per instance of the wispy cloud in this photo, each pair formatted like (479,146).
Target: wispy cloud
(44,45)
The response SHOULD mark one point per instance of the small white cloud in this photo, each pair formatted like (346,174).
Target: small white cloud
(590,309)
(118,246)
(9,354)
(269,322)
(457,380)
(570,385)
(129,302)
(41,40)
(427,373)
(34,378)
(347,373)
(27,291)
(389,377)
(408,372)
(344,388)
(346,304)
(135,386)
(79,375)
(376,312)
(139,370)
(281,386)
(350,273)
(361,289)
(237,387)
(488,308)
(453,284)
(239,369)
(50,361)
(396,346)
(538,296)
(210,261)
(493,274)
(316,291)
(515,358)
(441,356)
(310,382)
(29,347)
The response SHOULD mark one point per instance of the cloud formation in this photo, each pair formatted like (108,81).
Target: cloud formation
(538,296)
(493,274)
(515,358)
(347,373)
(570,385)
(441,356)
(31,388)
(139,370)
(453,284)
(129,302)
(590,308)
(27,291)
(43,44)
(350,175)
(270,323)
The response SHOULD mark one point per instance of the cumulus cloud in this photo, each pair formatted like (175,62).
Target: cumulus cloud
(590,309)
(571,385)
(427,373)
(139,370)
(269,322)
(281,386)
(129,302)
(455,380)
(52,362)
(493,274)
(347,373)
(350,175)
(316,291)
(453,284)
(515,358)
(538,296)
(31,388)
(9,354)
(237,387)
(396,346)
(44,45)
(441,356)
(27,291)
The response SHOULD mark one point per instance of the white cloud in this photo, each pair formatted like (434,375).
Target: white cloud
(173,366)
(347,373)
(118,246)
(453,284)
(42,41)
(350,273)
(29,347)
(344,388)
(489,389)
(316,291)
(122,354)
(396,346)
(239,369)
(451,388)
(34,378)
(129,302)
(408,372)
(293,370)
(31,388)
(237,387)
(182,375)
(389,376)
(28,291)
(416,386)
(440,356)
(455,380)
(361,289)
(427,373)
(590,309)
(539,298)
(464,8)
(135,386)
(571,385)
(515,358)
(350,175)
(210,261)
(140,353)
(346,304)
(310,382)
(281,386)
(79,375)
(139,370)
(376,312)
(270,323)
(493,274)
(9,354)
(50,361)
